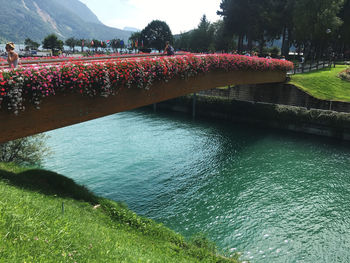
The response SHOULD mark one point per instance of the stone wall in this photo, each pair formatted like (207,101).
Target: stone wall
(298,119)
(284,94)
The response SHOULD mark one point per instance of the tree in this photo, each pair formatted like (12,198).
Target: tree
(82,43)
(103,44)
(72,42)
(322,24)
(236,16)
(344,31)
(310,24)
(26,151)
(207,37)
(136,38)
(155,35)
(53,43)
(252,21)
(115,44)
(30,44)
(183,41)
(284,17)
(223,42)
(94,44)
(202,37)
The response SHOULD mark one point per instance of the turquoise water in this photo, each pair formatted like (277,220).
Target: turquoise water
(274,196)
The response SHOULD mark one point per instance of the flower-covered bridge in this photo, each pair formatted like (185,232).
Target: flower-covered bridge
(38,98)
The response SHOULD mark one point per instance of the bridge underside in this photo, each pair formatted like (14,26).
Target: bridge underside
(68,109)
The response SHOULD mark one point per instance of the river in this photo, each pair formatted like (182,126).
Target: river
(272,195)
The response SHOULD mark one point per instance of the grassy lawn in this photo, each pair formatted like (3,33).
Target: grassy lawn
(324,84)
(33,227)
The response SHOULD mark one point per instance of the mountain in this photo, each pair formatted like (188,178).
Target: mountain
(35,19)
(81,10)
(132,29)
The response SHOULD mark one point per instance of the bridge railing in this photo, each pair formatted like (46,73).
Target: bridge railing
(54,61)
(313,65)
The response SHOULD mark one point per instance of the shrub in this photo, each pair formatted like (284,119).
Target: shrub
(25,151)
(345,75)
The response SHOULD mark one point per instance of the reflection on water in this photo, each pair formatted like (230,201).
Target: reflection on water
(274,196)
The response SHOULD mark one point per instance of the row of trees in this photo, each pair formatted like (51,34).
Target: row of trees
(207,37)
(94,43)
(53,43)
(314,26)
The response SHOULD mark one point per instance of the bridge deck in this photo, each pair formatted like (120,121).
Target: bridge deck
(64,110)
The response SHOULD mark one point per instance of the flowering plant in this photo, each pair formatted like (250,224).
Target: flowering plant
(106,78)
(345,75)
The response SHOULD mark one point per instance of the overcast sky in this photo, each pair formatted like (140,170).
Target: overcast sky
(180,15)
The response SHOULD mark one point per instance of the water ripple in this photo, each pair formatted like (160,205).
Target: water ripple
(275,197)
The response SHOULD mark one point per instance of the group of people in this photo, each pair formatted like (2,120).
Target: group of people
(256,54)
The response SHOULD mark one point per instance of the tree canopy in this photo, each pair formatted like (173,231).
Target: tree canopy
(30,44)
(72,42)
(52,42)
(313,25)
(156,34)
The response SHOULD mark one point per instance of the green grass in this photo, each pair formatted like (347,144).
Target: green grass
(324,84)
(33,227)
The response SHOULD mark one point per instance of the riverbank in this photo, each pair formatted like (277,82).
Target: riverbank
(46,217)
(298,119)
(324,84)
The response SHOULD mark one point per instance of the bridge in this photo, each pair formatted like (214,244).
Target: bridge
(77,91)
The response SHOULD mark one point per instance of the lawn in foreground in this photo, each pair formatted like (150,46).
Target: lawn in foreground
(35,228)
(324,84)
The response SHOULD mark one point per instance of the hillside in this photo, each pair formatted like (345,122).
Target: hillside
(20,19)
(46,217)
(81,10)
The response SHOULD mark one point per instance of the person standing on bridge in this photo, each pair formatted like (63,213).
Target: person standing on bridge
(168,50)
(12,56)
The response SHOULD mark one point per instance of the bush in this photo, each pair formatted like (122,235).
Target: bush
(274,51)
(345,75)
(25,151)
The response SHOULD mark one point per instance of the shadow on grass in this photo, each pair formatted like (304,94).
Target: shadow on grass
(49,183)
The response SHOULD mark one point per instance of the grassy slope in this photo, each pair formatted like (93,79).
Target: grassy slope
(34,229)
(324,84)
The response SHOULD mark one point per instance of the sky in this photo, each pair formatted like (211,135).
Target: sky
(180,15)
